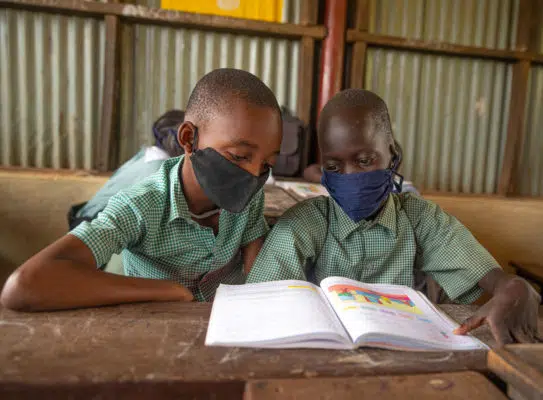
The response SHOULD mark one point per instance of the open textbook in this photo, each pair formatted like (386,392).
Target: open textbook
(340,314)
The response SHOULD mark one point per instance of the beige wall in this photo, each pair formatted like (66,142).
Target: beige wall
(33,209)
(34,204)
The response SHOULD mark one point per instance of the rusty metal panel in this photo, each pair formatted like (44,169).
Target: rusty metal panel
(484,23)
(51,79)
(448,113)
(163,65)
(530,173)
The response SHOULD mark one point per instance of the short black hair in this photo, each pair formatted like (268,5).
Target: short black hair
(216,90)
(165,131)
(364,100)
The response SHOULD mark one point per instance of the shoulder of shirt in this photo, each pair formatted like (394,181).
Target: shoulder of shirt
(153,190)
(414,205)
(307,209)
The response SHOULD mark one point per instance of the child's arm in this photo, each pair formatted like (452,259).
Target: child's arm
(464,268)
(313,173)
(511,313)
(64,275)
(250,252)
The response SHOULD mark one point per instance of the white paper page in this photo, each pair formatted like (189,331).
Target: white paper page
(274,314)
(375,311)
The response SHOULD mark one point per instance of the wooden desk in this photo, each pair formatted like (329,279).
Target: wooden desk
(159,349)
(521,367)
(452,385)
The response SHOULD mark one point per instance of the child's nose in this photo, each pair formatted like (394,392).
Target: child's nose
(351,168)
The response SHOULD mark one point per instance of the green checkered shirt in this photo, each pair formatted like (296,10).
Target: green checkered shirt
(151,222)
(410,236)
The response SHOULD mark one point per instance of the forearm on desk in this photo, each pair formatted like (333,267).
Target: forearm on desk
(65,284)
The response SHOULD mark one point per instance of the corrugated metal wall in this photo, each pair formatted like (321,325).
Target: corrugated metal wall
(163,65)
(51,87)
(449,113)
(484,23)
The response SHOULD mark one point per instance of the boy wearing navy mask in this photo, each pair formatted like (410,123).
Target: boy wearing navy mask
(196,223)
(368,232)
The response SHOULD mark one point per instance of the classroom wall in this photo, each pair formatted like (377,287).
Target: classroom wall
(449,113)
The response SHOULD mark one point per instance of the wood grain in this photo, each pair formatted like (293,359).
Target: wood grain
(456,385)
(522,369)
(164,342)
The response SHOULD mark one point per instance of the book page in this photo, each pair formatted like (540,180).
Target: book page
(373,314)
(303,190)
(274,314)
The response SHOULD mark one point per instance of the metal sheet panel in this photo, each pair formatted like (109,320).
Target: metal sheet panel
(51,79)
(530,174)
(164,64)
(485,23)
(448,113)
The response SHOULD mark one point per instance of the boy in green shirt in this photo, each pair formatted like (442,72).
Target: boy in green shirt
(196,223)
(366,232)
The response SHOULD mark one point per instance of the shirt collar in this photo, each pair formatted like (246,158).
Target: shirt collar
(344,225)
(178,203)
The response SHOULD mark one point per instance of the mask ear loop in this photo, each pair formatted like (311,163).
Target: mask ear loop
(195,139)
(397,179)
(158,142)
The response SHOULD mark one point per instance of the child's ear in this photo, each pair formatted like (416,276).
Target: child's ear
(185,136)
(397,154)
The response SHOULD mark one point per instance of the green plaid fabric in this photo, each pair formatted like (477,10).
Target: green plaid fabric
(151,225)
(316,239)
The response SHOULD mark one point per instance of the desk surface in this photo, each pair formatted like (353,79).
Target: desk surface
(165,342)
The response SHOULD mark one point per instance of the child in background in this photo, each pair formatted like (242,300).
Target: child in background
(145,163)
(367,232)
(196,223)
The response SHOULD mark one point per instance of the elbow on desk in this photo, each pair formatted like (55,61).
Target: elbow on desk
(17,293)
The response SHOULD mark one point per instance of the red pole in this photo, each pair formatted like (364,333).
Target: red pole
(333,49)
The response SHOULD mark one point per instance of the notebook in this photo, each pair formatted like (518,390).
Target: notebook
(340,314)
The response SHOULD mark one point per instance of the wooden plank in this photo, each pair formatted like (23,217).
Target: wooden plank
(515,128)
(457,385)
(146,15)
(358,60)
(514,144)
(524,378)
(308,12)
(306,76)
(110,95)
(143,390)
(164,342)
(444,48)
(306,79)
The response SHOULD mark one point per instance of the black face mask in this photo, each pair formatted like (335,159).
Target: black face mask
(228,186)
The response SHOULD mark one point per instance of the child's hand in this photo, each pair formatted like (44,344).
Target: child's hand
(511,314)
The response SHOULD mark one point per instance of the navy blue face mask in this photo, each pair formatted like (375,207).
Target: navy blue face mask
(361,194)
(227,185)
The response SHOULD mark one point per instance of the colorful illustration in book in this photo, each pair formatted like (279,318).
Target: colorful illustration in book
(355,294)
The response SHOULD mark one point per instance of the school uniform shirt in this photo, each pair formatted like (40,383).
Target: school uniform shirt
(316,239)
(151,223)
(143,164)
